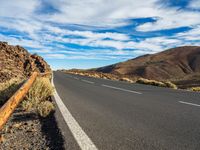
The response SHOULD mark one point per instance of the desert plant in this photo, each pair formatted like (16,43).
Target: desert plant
(150,82)
(195,89)
(170,85)
(40,91)
(27,105)
(37,97)
(45,108)
(126,79)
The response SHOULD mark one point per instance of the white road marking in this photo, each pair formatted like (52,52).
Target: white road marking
(117,88)
(88,81)
(189,103)
(76,78)
(80,136)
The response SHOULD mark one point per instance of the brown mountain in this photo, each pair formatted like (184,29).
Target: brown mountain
(181,65)
(15,61)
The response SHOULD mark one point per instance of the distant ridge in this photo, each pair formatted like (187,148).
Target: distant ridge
(181,64)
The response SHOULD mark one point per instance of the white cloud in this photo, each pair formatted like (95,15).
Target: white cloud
(55,56)
(21,41)
(18,9)
(23,17)
(195,4)
(30,27)
(101,12)
(171,18)
(89,34)
(190,35)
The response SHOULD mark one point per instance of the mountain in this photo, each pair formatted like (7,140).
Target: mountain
(181,65)
(15,61)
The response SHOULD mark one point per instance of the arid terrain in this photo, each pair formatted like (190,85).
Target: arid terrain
(180,66)
(33,124)
(17,62)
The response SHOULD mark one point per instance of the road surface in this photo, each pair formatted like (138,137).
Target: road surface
(121,116)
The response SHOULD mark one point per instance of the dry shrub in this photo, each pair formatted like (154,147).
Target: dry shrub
(27,105)
(40,91)
(7,89)
(126,80)
(45,108)
(170,85)
(38,95)
(195,89)
(157,83)
(150,82)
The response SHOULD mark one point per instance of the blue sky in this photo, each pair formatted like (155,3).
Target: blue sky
(93,33)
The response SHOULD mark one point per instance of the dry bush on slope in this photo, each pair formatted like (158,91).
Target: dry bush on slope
(39,95)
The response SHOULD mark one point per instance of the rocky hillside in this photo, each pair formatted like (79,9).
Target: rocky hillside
(181,65)
(15,61)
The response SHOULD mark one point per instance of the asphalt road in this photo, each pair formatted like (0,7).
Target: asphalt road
(121,116)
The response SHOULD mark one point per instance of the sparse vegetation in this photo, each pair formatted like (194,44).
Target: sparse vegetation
(8,88)
(27,105)
(170,85)
(195,89)
(45,108)
(38,95)
(150,82)
(40,91)
(157,83)
(127,80)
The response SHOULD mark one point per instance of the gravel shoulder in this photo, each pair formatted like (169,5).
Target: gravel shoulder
(26,130)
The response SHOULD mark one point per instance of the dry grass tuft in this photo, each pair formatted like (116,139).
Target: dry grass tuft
(150,82)
(45,108)
(127,80)
(27,105)
(38,95)
(40,91)
(170,85)
(195,89)
(157,83)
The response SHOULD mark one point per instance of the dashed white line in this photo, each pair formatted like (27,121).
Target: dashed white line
(187,103)
(88,81)
(117,88)
(80,136)
(76,78)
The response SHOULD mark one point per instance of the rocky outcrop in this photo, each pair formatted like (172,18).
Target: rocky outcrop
(15,61)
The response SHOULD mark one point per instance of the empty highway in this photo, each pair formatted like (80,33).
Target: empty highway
(113,115)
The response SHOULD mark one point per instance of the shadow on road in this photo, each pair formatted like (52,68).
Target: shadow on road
(52,133)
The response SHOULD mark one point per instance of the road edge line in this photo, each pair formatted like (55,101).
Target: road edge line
(84,142)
